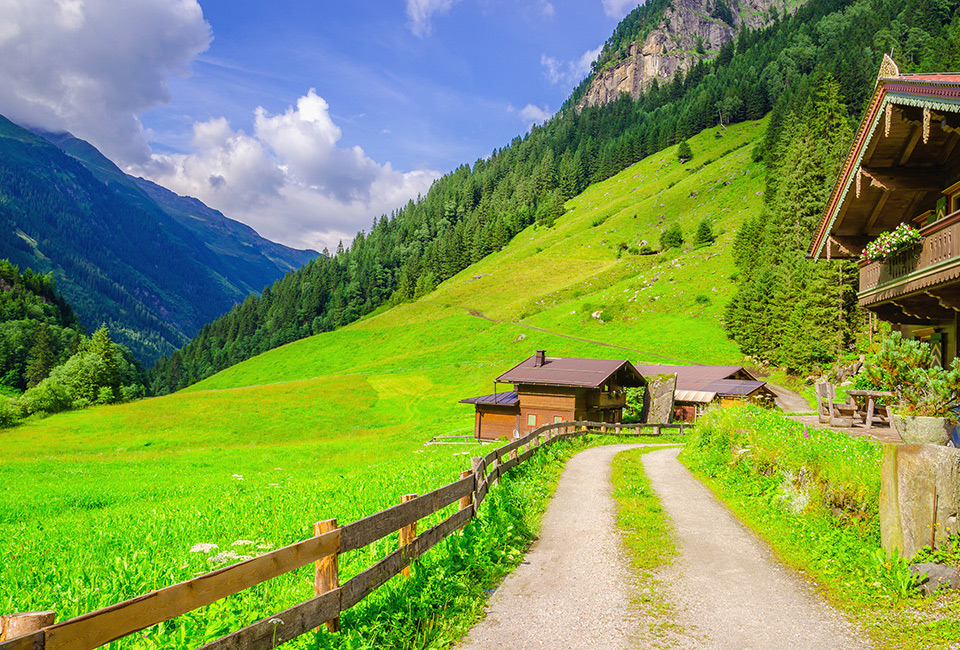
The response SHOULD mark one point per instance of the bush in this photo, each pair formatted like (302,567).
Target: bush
(704,234)
(684,152)
(672,237)
(908,369)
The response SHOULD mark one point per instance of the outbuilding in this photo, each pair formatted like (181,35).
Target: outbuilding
(554,389)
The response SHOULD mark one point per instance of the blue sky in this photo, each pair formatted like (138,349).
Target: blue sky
(303,119)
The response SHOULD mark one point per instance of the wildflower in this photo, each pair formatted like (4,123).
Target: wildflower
(237,477)
(203,547)
(226,556)
(241,542)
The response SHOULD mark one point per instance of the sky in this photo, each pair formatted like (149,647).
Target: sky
(305,119)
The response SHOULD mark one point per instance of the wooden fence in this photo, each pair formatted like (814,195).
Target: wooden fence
(102,626)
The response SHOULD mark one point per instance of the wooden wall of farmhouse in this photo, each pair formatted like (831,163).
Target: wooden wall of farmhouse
(496,422)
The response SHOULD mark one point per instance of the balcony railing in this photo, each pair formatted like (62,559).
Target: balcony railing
(941,243)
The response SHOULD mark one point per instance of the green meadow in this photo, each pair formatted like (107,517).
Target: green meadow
(106,503)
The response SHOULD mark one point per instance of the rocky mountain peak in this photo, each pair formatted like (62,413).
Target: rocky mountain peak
(689,31)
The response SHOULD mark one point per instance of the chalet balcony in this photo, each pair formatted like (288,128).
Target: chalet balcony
(921,283)
(610,400)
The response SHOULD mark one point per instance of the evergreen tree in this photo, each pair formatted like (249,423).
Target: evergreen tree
(684,152)
(704,233)
(42,357)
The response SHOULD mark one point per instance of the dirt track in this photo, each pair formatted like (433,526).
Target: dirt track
(727,589)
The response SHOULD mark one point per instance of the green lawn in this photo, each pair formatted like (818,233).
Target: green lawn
(106,503)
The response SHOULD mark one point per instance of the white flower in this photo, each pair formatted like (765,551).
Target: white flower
(203,547)
(241,542)
(238,477)
(227,556)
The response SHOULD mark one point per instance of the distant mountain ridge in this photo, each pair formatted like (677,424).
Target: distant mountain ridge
(153,266)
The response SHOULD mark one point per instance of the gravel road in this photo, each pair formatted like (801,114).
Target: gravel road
(727,589)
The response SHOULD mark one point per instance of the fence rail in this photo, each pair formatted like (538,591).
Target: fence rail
(102,626)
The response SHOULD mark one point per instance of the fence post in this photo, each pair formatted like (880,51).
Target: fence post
(326,573)
(513,454)
(467,501)
(14,625)
(407,533)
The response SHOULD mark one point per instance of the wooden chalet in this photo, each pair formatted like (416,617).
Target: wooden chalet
(700,386)
(554,389)
(904,167)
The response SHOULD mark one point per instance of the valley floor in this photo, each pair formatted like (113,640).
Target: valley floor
(725,588)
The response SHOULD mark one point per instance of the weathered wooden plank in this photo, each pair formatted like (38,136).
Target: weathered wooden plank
(482,488)
(378,525)
(104,625)
(31,641)
(525,456)
(505,467)
(24,623)
(280,628)
(363,584)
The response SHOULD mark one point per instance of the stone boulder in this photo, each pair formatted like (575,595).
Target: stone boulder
(919,496)
(939,576)
(658,398)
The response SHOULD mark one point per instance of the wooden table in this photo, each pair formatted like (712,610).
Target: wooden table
(866,402)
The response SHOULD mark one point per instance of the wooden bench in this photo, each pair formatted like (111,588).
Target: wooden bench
(831,412)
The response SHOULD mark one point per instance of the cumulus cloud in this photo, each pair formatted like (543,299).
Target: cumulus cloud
(571,72)
(619,8)
(534,114)
(92,66)
(289,179)
(421,12)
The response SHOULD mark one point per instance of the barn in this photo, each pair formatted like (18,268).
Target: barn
(554,389)
(700,386)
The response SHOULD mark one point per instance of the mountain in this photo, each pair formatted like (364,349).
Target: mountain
(254,261)
(118,257)
(658,39)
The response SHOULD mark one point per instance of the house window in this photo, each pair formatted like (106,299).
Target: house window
(557,419)
(531,420)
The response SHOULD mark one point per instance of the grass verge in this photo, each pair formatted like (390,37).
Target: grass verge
(813,495)
(448,588)
(649,538)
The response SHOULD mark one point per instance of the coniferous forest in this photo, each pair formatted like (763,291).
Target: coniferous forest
(814,70)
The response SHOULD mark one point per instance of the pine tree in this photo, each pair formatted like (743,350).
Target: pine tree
(42,358)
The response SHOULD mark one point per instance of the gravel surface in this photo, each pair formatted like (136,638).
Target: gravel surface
(575,589)
(727,586)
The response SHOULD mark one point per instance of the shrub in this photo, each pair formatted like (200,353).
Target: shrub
(684,152)
(704,234)
(672,237)
(908,369)
(702,299)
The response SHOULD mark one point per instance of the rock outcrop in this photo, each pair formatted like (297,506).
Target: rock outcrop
(687,33)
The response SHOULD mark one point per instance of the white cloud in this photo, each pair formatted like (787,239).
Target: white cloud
(289,179)
(571,72)
(547,9)
(534,114)
(619,8)
(420,13)
(92,66)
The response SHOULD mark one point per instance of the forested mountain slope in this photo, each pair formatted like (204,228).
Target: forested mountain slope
(118,258)
(476,209)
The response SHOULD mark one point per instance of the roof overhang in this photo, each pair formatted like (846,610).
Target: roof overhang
(891,173)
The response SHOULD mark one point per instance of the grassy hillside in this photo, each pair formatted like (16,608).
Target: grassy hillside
(105,503)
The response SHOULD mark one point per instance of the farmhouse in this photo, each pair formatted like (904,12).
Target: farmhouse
(699,386)
(554,389)
(904,168)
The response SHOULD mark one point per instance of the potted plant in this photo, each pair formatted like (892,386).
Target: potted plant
(924,392)
(890,244)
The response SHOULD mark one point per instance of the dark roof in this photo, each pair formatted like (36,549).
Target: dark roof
(726,386)
(686,375)
(569,371)
(509,398)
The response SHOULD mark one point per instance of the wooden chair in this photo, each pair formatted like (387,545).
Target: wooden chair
(829,411)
